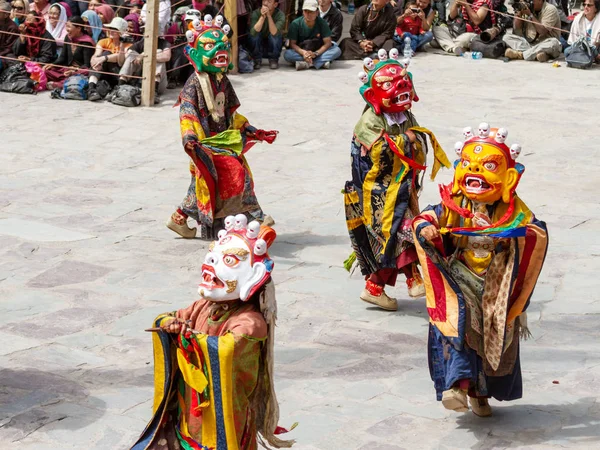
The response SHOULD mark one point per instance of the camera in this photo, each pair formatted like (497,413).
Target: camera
(416,10)
(523,4)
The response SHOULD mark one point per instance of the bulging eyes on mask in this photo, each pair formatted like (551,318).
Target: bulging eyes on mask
(390,90)
(211,51)
(483,174)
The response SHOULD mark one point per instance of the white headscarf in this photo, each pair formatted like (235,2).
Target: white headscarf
(58,32)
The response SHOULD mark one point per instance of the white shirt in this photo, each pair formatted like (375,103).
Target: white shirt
(323,14)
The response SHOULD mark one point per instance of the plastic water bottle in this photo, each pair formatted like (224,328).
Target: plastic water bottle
(351,7)
(475,55)
(407,49)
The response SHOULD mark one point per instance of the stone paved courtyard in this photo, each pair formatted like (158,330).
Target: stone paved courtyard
(86,262)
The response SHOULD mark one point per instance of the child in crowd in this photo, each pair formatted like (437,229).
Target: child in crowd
(410,25)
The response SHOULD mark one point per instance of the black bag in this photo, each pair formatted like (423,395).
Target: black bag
(126,95)
(103,88)
(312,45)
(457,26)
(245,64)
(493,49)
(581,56)
(15,79)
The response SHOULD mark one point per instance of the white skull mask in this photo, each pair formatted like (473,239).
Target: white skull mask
(219,21)
(468,133)
(208,20)
(382,54)
(363,77)
(369,63)
(484,130)
(229,222)
(228,272)
(226,29)
(501,135)
(253,230)
(394,54)
(515,151)
(240,222)
(458,147)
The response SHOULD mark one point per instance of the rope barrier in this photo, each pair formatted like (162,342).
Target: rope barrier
(111,6)
(45,39)
(178,67)
(72,67)
(88,26)
(461,2)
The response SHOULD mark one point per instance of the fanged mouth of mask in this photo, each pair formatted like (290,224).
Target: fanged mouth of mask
(221,59)
(210,280)
(401,99)
(476,185)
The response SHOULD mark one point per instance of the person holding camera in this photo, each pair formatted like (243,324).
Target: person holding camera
(466,19)
(415,24)
(536,29)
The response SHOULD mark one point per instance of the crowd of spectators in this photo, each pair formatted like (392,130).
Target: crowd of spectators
(102,40)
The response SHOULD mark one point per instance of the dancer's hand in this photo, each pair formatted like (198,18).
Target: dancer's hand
(175,326)
(430,232)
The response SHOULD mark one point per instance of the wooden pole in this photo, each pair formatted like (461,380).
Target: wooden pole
(232,17)
(151,33)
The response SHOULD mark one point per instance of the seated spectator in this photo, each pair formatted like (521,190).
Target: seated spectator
(105,13)
(20,9)
(164,15)
(587,25)
(28,48)
(372,28)
(537,40)
(333,16)
(91,18)
(93,4)
(265,38)
(133,26)
(180,71)
(134,61)
(136,6)
(75,57)
(42,7)
(310,40)
(414,23)
(109,57)
(477,16)
(57,24)
(7,41)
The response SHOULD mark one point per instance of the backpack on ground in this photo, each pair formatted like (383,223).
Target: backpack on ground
(75,88)
(245,63)
(581,56)
(15,79)
(493,49)
(125,95)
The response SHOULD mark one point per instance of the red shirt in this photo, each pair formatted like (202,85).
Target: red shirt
(410,25)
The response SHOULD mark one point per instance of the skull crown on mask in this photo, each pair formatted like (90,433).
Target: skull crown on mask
(486,171)
(208,49)
(237,264)
(387,85)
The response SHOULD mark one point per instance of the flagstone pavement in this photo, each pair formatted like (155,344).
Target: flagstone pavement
(86,262)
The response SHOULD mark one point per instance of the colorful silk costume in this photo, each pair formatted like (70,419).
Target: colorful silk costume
(214,136)
(387,171)
(481,271)
(214,382)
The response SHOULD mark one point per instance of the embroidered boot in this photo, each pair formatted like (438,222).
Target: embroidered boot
(480,406)
(416,287)
(455,399)
(178,223)
(374,294)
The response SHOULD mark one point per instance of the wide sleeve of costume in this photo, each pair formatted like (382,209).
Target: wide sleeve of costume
(356,28)
(212,379)
(509,281)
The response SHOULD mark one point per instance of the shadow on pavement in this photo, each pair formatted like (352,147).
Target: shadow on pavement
(521,425)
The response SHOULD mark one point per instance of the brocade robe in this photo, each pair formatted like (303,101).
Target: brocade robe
(477,287)
(204,385)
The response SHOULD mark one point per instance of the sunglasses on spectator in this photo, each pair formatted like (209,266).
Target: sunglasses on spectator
(588,4)
(18,8)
